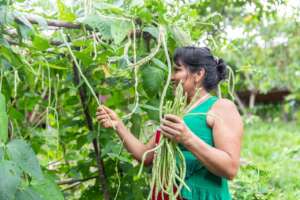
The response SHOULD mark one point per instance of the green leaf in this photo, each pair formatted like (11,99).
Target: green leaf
(110,7)
(3,120)
(65,13)
(181,37)
(136,3)
(2,104)
(160,64)
(152,78)
(21,18)
(21,153)
(119,30)
(152,108)
(3,128)
(27,194)
(100,23)
(136,121)
(6,17)
(152,30)
(40,43)
(9,181)
(47,188)
(119,157)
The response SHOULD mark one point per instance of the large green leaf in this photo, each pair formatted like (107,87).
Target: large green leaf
(136,121)
(119,30)
(40,43)
(10,179)
(152,30)
(22,19)
(2,103)
(181,37)
(47,189)
(152,108)
(27,194)
(65,13)
(100,23)
(152,78)
(21,153)
(3,120)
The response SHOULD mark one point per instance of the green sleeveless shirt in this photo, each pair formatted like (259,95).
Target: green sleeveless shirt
(203,184)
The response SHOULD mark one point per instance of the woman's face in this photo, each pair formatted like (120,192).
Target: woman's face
(182,73)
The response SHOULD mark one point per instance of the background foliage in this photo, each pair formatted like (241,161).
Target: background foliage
(47,146)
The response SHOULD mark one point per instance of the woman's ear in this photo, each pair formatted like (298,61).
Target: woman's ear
(199,76)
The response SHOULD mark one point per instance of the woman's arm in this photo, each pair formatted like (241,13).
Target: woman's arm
(223,159)
(109,119)
(134,146)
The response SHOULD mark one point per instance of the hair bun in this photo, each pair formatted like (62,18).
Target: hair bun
(221,69)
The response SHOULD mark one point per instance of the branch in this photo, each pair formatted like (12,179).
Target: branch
(89,121)
(71,181)
(56,23)
(240,103)
(69,25)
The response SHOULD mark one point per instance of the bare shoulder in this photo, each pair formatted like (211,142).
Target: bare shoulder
(224,105)
(225,109)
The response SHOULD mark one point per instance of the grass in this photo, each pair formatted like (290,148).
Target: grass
(271,162)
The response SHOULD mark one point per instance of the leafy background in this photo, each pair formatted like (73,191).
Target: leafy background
(53,148)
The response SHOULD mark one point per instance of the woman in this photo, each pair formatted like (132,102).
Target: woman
(210,143)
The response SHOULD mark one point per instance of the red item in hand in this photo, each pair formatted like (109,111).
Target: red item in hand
(166,196)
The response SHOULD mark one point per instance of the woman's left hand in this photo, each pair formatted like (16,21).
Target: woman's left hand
(174,128)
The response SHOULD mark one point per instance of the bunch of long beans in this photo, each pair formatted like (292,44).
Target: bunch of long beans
(169,166)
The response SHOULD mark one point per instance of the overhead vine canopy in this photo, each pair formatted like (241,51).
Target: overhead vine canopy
(59,60)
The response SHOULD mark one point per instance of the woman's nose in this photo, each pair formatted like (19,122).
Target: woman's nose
(172,77)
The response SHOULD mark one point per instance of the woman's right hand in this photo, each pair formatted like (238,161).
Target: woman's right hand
(107,117)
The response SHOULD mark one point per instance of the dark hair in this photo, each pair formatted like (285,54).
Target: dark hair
(196,58)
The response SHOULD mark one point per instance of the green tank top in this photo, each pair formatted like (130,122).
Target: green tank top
(203,184)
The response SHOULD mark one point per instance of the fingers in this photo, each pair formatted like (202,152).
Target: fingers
(169,131)
(101,117)
(170,124)
(106,123)
(171,137)
(172,118)
(101,110)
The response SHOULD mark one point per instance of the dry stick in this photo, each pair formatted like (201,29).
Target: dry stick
(240,104)
(72,181)
(89,121)
(32,19)
(72,186)
(37,106)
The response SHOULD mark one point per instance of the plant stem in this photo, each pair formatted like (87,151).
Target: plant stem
(101,173)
